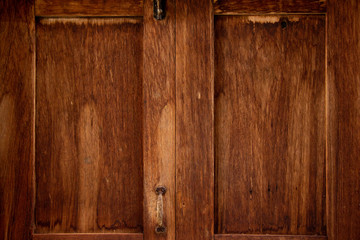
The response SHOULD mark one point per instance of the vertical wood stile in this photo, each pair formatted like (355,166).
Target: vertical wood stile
(17,66)
(343,138)
(194,120)
(159,118)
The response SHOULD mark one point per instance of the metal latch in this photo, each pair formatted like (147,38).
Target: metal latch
(160,192)
(159,9)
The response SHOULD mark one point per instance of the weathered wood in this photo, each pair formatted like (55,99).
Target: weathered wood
(270,124)
(17,68)
(159,118)
(194,120)
(89,175)
(86,236)
(234,7)
(267,237)
(343,101)
(89,8)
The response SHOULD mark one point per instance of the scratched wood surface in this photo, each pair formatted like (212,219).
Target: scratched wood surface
(233,7)
(17,61)
(344,119)
(194,120)
(159,118)
(270,124)
(89,8)
(89,174)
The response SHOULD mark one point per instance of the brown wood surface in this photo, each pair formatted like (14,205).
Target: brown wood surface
(17,61)
(89,8)
(89,173)
(231,7)
(194,120)
(344,119)
(270,124)
(85,236)
(159,118)
(267,237)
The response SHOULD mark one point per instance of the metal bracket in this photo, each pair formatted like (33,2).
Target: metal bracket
(159,9)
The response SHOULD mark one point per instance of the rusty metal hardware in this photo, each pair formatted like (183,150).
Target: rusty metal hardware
(159,9)
(160,192)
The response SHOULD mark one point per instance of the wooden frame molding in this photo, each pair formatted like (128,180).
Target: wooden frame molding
(235,7)
(48,8)
(17,98)
(159,118)
(89,236)
(194,120)
(267,237)
(343,109)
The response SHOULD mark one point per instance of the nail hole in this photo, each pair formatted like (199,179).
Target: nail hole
(283,24)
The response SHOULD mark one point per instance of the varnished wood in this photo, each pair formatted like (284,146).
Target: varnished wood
(88,8)
(267,237)
(89,175)
(270,124)
(234,7)
(159,118)
(194,120)
(17,68)
(343,142)
(86,236)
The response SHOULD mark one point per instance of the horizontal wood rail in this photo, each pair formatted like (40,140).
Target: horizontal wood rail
(267,237)
(71,8)
(88,236)
(240,7)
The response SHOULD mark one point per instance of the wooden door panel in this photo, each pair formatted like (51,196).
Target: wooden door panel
(89,175)
(270,124)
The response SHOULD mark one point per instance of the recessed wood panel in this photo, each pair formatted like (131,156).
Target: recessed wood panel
(270,124)
(89,175)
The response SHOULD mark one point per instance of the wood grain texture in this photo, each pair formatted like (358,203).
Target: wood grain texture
(89,169)
(270,124)
(344,119)
(159,118)
(233,7)
(17,68)
(267,237)
(85,236)
(88,8)
(194,120)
